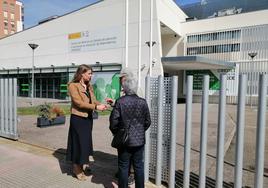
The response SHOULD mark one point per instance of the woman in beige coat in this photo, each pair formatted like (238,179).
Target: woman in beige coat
(80,146)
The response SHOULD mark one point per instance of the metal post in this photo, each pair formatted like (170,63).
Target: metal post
(10,106)
(251,84)
(151,37)
(15,108)
(126,35)
(147,134)
(139,51)
(203,135)
(2,105)
(6,104)
(172,160)
(33,46)
(252,55)
(240,131)
(188,130)
(159,130)
(260,137)
(221,132)
(32,93)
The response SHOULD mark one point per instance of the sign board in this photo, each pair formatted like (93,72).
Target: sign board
(105,38)
(214,81)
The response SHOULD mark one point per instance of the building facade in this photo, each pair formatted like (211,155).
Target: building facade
(11,17)
(144,41)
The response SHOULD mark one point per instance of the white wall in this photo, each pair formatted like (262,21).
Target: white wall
(171,15)
(52,38)
(172,45)
(225,22)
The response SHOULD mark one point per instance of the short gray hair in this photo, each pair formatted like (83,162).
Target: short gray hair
(130,85)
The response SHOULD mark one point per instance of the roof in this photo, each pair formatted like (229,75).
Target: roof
(194,63)
(214,8)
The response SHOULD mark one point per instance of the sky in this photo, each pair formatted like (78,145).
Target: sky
(36,10)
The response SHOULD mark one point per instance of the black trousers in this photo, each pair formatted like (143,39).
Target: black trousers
(124,156)
(80,145)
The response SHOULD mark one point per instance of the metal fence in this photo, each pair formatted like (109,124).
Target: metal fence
(160,147)
(8,108)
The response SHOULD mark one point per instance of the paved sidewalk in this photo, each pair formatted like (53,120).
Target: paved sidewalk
(55,138)
(23,165)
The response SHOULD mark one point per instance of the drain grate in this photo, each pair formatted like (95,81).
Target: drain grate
(194,179)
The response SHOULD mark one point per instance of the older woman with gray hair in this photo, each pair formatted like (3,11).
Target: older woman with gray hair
(131,113)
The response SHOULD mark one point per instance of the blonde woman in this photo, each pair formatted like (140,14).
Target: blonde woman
(83,102)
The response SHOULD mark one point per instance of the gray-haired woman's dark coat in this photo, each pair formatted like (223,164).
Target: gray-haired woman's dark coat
(133,112)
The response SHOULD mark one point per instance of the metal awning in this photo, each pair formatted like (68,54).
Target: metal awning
(194,63)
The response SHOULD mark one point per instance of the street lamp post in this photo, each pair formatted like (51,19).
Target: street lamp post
(33,46)
(251,55)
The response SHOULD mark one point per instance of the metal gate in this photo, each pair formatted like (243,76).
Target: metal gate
(8,108)
(161,95)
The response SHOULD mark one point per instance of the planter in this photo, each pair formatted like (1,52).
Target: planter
(44,122)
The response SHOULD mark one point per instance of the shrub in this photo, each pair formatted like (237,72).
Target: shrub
(50,112)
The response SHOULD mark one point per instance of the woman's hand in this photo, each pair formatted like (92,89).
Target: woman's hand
(101,107)
(109,101)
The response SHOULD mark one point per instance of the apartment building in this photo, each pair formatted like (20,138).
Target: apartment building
(11,17)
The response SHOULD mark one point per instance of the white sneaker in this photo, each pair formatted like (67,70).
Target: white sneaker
(91,159)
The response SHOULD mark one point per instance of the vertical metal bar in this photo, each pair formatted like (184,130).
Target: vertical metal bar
(172,160)
(6,105)
(159,130)
(260,137)
(188,130)
(221,132)
(15,108)
(147,134)
(240,130)
(126,35)
(151,36)
(10,124)
(203,133)
(251,81)
(139,42)
(2,105)
(32,99)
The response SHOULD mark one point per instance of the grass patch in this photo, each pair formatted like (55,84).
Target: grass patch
(22,111)
(27,110)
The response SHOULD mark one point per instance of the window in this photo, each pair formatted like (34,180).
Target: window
(12,24)
(5,23)
(6,31)
(12,7)
(12,16)
(5,5)
(5,14)
(12,32)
